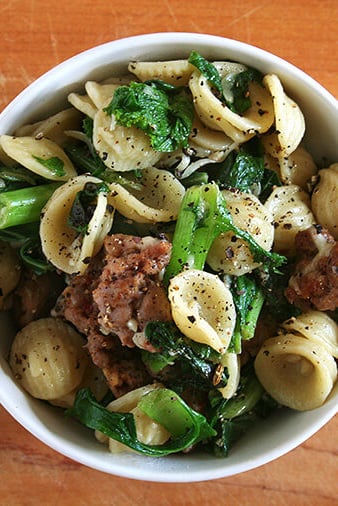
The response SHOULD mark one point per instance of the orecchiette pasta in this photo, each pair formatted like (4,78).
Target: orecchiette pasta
(295,371)
(289,119)
(61,244)
(83,103)
(122,148)
(35,154)
(100,94)
(148,431)
(176,72)
(202,308)
(158,198)
(324,200)
(93,378)
(240,128)
(48,358)
(290,208)
(297,168)
(54,127)
(316,326)
(232,255)
(231,362)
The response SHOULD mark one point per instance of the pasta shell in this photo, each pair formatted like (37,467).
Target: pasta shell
(148,431)
(83,104)
(213,140)
(62,246)
(25,149)
(324,200)
(214,114)
(54,127)
(176,72)
(316,326)
(93,379)
(100,94)
(231,362)
(295,371)
(157,200)
(290,208)
(232,255)
(122,148)
(289,119)
(48,358)
(298,168)
(202,308)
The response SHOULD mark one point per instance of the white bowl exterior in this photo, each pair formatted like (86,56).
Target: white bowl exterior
(271,438)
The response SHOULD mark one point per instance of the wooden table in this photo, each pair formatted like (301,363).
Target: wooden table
(36,35)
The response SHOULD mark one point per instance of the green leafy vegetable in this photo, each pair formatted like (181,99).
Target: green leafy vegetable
(242,171)
(200,359)
(207,69)
(237,86)
(54,164)
(186,425)
(26,239)
(84,206)
(14,178)
(233,417)
(203,216)
(164,114)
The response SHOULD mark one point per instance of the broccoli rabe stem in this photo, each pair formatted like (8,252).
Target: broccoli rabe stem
(202,217)
(22,206)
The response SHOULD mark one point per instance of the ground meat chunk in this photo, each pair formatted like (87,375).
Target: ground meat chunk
(130,293)
(314,283)
(34,296)
(112,302)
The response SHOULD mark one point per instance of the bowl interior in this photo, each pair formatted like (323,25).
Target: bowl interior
(273,437)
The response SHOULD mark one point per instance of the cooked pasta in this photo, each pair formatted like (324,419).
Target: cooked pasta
(290,208)
(122,148)
(231,255)
(48,358)
(157,199)
(213,114)
(148,431)
(203,308)
(63,246)
(174,72)
(324,200)
(42,156)
(295,371)
(289,119)
(54,127)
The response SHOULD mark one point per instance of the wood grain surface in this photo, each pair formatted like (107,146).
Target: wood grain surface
(36,35)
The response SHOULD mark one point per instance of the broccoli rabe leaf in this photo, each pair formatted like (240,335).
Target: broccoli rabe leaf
(242,171)
(173,346)
(186,426)
(54,164)
(164,113)
(235,416)
(84,206)
(237,86)
(207,69)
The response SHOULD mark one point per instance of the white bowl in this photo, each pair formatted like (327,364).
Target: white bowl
(269,439)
